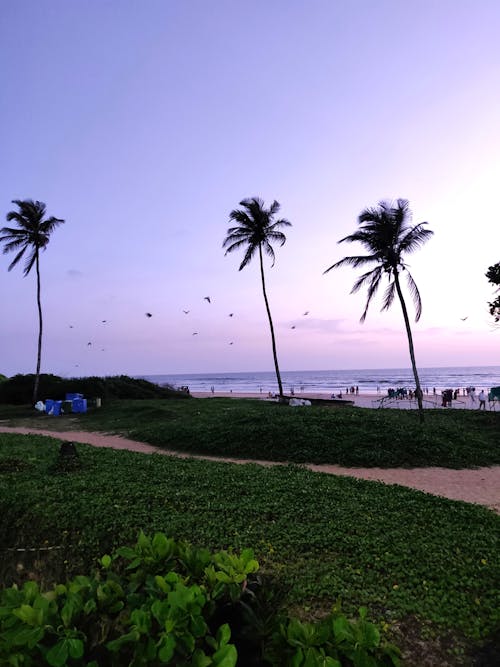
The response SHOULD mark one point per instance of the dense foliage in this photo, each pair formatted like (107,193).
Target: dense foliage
(404,554)
(17,390)
(493,275)
(165,602)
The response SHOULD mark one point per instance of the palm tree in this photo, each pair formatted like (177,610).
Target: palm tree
(256,231)
(31,236)
(386,233)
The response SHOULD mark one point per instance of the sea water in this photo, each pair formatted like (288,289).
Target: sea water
(369,381)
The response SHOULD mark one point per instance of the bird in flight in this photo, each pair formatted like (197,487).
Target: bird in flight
(231,343)
(306,313)
(195,333)
(185,312)
(292,327)
(104,321)
(88,344)
(464,318)
(149,315)
(71,326)
(207,298)
(230,314)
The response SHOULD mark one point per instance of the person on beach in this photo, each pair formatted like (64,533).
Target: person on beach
(482,400)
(472,394)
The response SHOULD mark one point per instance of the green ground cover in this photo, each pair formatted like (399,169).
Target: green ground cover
(413,559)
(256,429)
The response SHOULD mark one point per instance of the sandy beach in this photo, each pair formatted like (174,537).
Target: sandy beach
(360,400)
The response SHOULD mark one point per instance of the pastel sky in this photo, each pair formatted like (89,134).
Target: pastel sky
(143,124)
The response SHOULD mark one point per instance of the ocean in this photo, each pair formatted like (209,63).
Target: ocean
(369,381)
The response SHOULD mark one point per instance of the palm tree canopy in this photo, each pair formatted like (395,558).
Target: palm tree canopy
(256,229)
(385,231)
(32,233)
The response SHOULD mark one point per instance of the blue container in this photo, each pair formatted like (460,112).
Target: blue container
(53,407)
(70,397)
(79,405)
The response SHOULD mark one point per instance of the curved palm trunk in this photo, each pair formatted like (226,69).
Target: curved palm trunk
(40,327)
(275,356)
(410,345)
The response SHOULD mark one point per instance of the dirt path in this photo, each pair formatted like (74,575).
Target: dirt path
(480,486)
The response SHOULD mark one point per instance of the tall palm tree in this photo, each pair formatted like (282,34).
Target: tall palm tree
(256,230)
(30,237)
(386,233)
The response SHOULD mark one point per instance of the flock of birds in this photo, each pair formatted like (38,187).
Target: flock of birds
(148,315)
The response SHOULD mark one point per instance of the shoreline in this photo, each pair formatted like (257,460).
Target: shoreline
(361,400)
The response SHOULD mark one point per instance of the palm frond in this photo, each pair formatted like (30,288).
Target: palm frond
(415,238)
(372,289)
(415,295)
(355,261)
(268,249)
(389,295)
(248,256)
(16,258)
(366,277)
(233,246)
(30,260)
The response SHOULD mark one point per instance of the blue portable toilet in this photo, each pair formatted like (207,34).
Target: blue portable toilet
(56,411)
(79,405)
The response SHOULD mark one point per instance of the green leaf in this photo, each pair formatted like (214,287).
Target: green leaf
(75,648)
(225,656)
(28,615)
(106,561)
(223,634)
(200,659)
(58,654)
(161,545)
(166,651)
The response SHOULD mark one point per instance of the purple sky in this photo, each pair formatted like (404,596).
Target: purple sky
(144,124)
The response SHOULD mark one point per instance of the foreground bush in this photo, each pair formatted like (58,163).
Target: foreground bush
(164,602)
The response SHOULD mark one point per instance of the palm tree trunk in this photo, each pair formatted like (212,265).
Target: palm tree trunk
(40,327)
(410,345)
(275,356)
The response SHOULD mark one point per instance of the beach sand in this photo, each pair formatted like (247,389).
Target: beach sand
(360,400)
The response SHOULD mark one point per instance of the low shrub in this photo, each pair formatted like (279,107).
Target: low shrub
(18,389)
(161,602)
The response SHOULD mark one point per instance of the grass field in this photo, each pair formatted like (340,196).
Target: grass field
(260,430)
(427,567)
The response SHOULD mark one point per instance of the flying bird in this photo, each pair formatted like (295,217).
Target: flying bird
(231,343)
(230,314)
(104,321)
(306,313)
(464,318)
(195,333)
(185,312)
(89,344)
(71,326)
(292,327)
(207,298)
(149,315)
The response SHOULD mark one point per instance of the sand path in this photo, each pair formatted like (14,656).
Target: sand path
(481,485)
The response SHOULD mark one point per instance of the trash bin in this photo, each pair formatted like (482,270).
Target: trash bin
(79,405)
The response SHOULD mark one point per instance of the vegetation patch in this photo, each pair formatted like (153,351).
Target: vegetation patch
(401,553)
(262,430)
